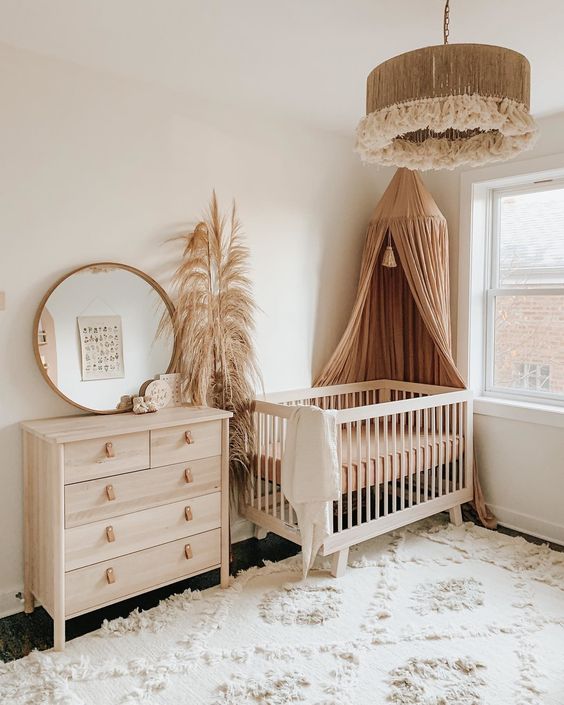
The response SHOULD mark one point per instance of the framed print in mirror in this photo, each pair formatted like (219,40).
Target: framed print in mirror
(101,347)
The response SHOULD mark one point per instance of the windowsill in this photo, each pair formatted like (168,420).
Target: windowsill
(520,411)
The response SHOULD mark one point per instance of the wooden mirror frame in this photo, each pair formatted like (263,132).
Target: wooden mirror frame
(156,286)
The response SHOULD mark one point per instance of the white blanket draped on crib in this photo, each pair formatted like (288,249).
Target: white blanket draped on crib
(310,477)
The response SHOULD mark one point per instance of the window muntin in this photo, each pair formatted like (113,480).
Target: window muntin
(525,298)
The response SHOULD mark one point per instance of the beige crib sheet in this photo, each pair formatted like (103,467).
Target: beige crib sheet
(385,463)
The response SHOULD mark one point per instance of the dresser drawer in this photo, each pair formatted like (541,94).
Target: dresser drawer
(103,540)
(190,442)
(87,588)
(101,457)
(112,496)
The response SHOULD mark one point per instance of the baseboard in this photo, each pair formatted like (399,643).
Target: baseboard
(9,603)
(527,524)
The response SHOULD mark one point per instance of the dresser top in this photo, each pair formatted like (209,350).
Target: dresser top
(66,429)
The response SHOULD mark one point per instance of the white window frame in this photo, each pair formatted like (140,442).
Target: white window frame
(495,290)
(473,279)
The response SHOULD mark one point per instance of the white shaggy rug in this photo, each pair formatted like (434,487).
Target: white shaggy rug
(429,615)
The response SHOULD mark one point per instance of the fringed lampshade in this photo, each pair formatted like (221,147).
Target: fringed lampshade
(443,106)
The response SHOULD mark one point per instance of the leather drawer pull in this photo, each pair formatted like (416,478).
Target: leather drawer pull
(188,513)
(110,450)
(110,494)
(110,577)
(188,475)
(110,534)
(188,437)
(188,551)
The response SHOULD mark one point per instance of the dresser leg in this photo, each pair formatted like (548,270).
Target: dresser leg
(224,575)
(59,634)
(225,526)
(29,601)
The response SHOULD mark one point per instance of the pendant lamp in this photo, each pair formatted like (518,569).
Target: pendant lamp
(447,105)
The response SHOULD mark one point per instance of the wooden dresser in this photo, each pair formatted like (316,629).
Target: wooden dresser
(121,504)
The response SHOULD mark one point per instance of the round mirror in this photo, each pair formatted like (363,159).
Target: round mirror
(96,335)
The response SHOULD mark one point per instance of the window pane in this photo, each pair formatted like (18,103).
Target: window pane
(529,343)
(531,239)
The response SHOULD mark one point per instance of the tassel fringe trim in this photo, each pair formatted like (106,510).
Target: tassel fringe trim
(379,134)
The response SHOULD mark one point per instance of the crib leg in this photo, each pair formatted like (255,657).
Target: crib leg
(259,532)
(455,515)
(339,563)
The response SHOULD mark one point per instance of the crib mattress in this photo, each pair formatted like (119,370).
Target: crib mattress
(386,463)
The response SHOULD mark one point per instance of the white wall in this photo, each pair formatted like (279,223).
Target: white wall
(521,463)
(96,167)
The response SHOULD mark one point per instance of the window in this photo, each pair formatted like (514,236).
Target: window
(525,295)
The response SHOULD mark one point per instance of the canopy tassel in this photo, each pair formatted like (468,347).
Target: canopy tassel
(389,259)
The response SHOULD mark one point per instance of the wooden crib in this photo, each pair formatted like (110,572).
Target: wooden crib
(405,452)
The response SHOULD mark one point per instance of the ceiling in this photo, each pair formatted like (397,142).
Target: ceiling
(305,59)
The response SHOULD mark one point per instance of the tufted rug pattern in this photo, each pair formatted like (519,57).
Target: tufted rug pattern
(428,615)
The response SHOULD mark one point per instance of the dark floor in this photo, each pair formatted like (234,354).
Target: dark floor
(21,633)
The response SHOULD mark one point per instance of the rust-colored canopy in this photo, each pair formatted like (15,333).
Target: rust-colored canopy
(400,325)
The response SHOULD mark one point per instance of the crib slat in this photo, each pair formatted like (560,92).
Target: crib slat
(441,451)
(278,465)
(454,450)
(368,469)
(268,493)
(260,456)
(412,460)
(386,464)
(273,470)
(282,432)
(462,444)
(256,461)
(349,475)
(460,437)
(340,457)
(394,462)
(359,471)
(434,452)
(256,488)
(448,464)
(377,468)
(426,459)
(266,459)
(273,492)
(418,454)
(404,459)
(265,470)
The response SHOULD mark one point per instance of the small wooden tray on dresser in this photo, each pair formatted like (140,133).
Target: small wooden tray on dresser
(118,505)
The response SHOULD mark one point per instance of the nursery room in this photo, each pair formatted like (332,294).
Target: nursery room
(282,352)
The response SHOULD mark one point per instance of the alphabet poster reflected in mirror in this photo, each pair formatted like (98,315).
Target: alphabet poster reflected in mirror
(101,346)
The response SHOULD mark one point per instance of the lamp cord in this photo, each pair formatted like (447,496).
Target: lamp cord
(446,21)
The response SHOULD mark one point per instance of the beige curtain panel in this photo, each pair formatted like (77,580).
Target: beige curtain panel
(400,325)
